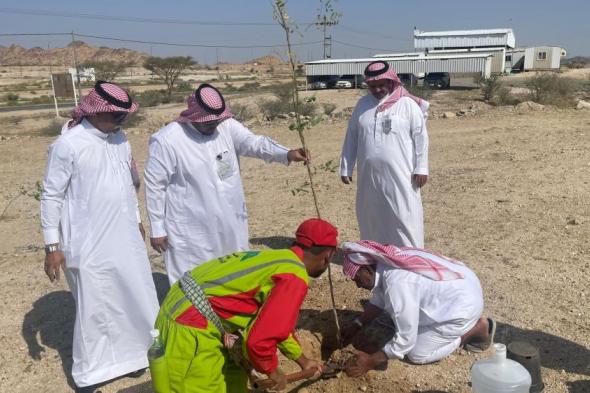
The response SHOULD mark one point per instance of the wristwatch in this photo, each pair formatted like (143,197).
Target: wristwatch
(358,322)
(49,248)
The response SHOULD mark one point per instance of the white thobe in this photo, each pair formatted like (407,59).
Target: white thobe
(388,147)
(89,206)
(430,316)
(194,191)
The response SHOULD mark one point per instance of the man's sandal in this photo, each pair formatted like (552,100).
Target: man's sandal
(482,346)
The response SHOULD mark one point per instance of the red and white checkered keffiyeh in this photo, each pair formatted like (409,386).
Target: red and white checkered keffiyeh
(95,103)
(397,90)
(206,104)
(416,260)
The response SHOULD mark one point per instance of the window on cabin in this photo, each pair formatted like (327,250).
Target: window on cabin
(541,55)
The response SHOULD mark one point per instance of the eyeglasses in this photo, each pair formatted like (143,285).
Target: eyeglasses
(119,117)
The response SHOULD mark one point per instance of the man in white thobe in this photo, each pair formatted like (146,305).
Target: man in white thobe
(92,229)
(435,302)
(388,141)
(195,200)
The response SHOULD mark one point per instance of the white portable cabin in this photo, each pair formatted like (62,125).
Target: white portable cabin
(543,58)
(515,60)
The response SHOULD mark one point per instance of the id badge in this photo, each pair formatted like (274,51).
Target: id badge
(224,165)
(386,125)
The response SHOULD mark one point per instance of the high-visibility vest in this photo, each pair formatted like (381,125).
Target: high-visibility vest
(259,292)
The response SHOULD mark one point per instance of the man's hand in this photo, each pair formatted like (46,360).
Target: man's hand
(54,261)
(348,333)
(364,362)
(420,180)
(279,378)
(298,155)
(346,179)
(160,244)
(306,364)
(142,231)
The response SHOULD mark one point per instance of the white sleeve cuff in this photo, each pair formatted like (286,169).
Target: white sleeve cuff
(158,229)
(282,156)
(138,215)
(51,235)
(421,171)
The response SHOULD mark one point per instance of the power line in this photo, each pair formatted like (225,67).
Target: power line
(369,33)
(131,19)
(359,46)
(163,43)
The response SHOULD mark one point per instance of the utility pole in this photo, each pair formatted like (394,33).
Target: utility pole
(324,22)
(52,85)
(76,64)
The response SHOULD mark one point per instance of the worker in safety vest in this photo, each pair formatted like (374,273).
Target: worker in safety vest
(256,292)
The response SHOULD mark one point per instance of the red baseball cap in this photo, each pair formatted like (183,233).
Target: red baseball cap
(316,232)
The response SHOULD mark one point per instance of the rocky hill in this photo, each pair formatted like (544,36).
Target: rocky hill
(17,55)
(266,60)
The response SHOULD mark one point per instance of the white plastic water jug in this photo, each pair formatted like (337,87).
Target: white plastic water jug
(497,374)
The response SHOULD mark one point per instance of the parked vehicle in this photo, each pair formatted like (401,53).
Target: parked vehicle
(318,85)
(408,79)
(438,80)
(343,84)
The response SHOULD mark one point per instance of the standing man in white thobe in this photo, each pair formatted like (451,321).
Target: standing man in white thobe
(387,139)
(92,230)
(194,195)
(435,302)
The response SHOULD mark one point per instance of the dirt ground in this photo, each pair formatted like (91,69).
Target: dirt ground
(507,193)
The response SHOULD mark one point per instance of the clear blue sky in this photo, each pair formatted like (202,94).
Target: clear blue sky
(385,25)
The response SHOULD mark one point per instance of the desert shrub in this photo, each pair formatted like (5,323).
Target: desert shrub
(551,89)
(152,98)
(328,108)
(249,86)
(51,129)
(420,91)
(184,86)
(489,86)
(134,119)
(44,99)
(33,92)
(308,108)
(576,65)
(494,91)
(282,103)
(229,88)
(11,98)
(271,108)
(242,112)
(503,96)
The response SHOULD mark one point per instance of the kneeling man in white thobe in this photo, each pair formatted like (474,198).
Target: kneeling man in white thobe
(435,302)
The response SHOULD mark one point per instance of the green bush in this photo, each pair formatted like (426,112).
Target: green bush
(552,89)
